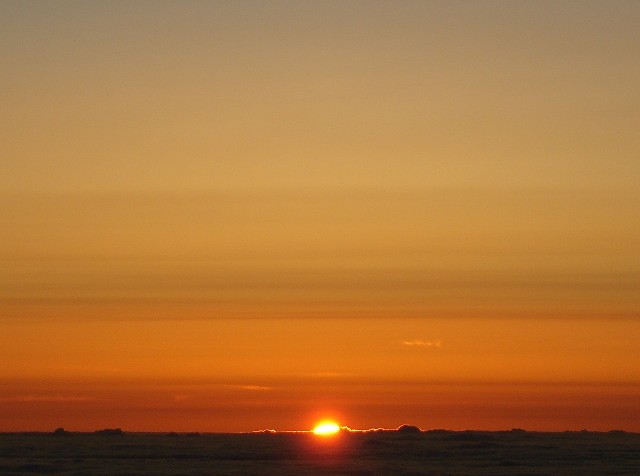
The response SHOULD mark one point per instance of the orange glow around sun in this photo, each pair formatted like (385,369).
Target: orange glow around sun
(326,428)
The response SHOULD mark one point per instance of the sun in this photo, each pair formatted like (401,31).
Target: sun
(326,428)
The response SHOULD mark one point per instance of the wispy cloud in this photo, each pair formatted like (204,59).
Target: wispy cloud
(422,343)
(184,397)
(330,375)
(232,386)
(253,388)
(46,398)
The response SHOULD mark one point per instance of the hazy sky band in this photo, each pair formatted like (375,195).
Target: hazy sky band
(202,95)
(521,252)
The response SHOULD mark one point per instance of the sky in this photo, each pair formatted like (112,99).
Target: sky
(231,216)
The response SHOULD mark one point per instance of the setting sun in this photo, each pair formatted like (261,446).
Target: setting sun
(326,428)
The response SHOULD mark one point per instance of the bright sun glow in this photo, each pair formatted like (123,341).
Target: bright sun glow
(326,428)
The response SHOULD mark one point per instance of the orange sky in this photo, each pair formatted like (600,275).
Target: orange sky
(248,215)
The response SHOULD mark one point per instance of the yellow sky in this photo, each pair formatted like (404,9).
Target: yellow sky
(387,211)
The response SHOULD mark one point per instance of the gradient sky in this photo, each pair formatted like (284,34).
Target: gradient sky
(229,216)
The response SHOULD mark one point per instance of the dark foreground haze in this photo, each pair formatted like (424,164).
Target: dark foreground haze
(355,453)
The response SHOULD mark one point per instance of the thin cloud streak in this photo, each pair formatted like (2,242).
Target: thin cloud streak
(46,398)
(422,343)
